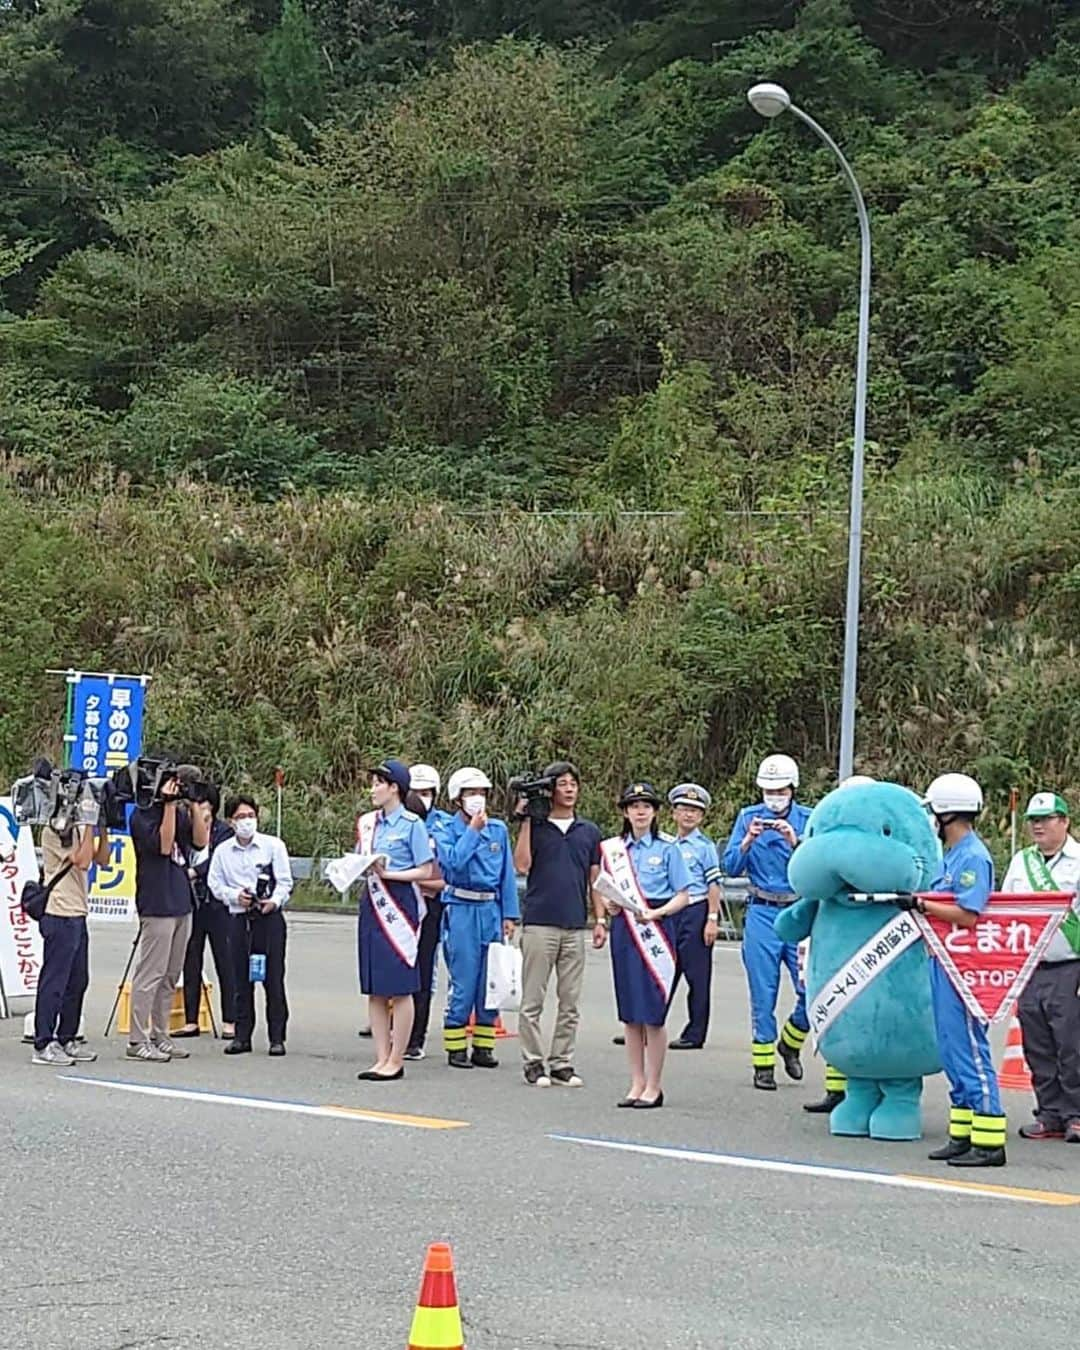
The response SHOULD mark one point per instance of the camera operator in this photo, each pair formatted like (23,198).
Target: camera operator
(210,921)
(165,835)
(251,874)
(65,970)
(559,852)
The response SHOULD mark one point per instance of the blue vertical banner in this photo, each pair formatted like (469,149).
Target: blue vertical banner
(105,734)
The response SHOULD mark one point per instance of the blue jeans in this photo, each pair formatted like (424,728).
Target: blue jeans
(65,974)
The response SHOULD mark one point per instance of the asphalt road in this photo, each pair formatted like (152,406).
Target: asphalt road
(135,1220)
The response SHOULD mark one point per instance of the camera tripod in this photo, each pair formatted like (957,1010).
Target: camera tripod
(204,993)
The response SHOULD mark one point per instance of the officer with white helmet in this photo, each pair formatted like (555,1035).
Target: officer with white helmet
(761,843)
(480,906)
(424,785)
(966,872)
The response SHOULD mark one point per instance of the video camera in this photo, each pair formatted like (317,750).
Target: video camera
(142,781)
(537,793)
(62,798)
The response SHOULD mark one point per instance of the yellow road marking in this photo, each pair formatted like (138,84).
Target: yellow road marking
(1012,1192)
(400,1118)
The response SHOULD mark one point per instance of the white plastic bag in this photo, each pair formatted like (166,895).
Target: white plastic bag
(504,964)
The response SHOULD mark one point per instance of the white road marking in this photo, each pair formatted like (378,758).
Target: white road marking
(902,1181)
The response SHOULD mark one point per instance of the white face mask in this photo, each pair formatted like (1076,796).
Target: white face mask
(427,798)
(473,803)
(776,801)
(244,828)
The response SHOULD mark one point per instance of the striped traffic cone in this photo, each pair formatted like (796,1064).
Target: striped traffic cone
(436,1323)
(1014,1073)
(501,1033)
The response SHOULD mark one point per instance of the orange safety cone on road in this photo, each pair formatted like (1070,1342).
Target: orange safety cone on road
(501,1032)
(437,1321)
(1014,1073)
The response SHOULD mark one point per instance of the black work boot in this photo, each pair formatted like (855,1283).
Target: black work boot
(976,1156)
(458,1059)
(765,1079)
(955,1148)
(484,1058)
(828,1103)
(792,1063)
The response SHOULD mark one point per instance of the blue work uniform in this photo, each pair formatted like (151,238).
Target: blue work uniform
(480,893)
(437,824)
(695,958)
(966,872)
(661,871)
(384,971)
(765,864)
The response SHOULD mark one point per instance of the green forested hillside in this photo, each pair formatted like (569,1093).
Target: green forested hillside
(474,380)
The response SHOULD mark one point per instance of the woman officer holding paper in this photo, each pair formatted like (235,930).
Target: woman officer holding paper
(390,917)
(651,877)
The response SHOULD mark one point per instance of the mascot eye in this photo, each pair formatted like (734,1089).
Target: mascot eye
(886,829)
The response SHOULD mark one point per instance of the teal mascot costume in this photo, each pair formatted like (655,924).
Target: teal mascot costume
(866,839)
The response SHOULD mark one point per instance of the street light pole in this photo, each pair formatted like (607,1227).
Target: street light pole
(770,100)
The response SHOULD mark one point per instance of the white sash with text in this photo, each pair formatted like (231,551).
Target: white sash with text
(651,940)
(395,923)
(874,956)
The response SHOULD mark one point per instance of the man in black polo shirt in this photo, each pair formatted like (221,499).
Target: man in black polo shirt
(165,835)
(561,858)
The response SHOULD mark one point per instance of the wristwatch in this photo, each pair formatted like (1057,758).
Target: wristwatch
(714,918)
(605,921)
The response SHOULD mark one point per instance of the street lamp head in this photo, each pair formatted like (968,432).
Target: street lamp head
(770,100)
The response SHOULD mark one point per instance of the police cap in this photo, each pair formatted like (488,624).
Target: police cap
(690,794)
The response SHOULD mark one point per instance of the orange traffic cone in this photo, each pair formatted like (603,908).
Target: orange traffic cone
(1014,1073)
(436,1323)
(501,1032)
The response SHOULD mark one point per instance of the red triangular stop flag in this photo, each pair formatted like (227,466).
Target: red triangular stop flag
(990,964)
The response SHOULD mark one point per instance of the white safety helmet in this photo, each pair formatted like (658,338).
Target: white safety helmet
(463,779)
(954,792)
(857,780)
(423,778)
(778,771)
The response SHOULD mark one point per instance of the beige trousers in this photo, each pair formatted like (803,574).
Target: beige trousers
(158,963)
(543,950)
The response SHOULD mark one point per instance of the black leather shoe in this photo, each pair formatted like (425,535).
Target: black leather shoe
(238,1048)
(642,1105)
(370,1076)
(765,1079)
(955,1148)
(277,1049)
(458,1059)
(979,1157)
(364,1033)
(183,1035)
(484,1058)
(618,1040)
(682,1044)
(628,1101)
(792,1063)
(828,1103)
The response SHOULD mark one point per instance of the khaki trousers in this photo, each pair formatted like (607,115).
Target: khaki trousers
(543,950)
(158,963)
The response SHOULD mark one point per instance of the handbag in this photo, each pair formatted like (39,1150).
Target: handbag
(504,964)
(35,894)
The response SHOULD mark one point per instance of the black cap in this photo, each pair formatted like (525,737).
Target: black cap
(641,791)
(560,767)
(394,771)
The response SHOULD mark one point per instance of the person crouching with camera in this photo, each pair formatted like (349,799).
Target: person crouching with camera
(65,970)
(251,874)
(165,834)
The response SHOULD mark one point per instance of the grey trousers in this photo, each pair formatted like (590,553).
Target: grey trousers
(1050,1022)
(545,949)
(158,963)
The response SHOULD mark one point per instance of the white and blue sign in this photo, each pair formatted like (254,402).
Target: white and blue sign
(106,722)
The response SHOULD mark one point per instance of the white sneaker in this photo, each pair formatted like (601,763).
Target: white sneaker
(171,1051)
(54,1054)
(81,1054)
(147,1051)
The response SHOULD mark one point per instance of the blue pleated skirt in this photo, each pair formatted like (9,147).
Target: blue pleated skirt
(382,970)
(638,997)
